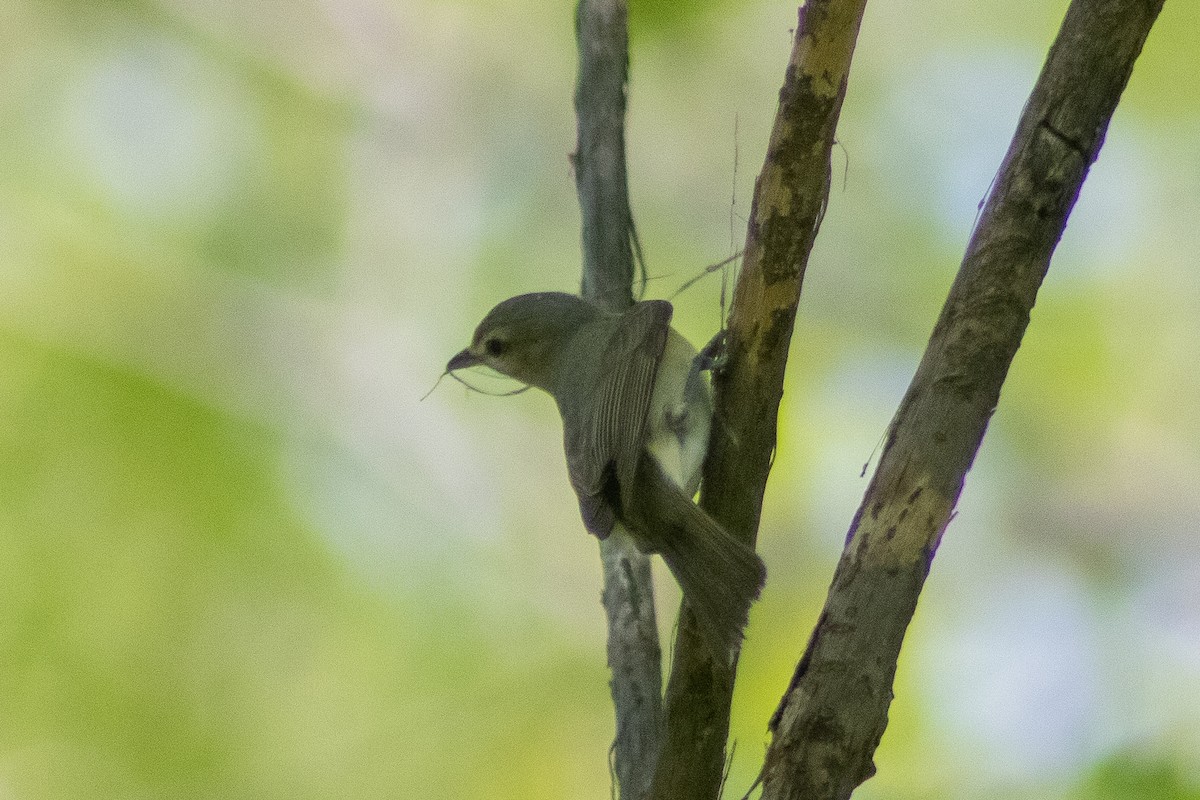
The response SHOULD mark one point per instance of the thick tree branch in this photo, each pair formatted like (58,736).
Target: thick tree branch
(789,199)
(634,655)
(834,713)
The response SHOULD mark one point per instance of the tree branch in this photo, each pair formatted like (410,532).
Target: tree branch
(599,160)
(789,199)
(634,655)
(833,715)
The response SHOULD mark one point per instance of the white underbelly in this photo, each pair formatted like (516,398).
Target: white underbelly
(680,415)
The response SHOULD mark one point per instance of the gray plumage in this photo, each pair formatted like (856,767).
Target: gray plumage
(632,421)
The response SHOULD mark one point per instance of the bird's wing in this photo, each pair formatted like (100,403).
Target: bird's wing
(605,423)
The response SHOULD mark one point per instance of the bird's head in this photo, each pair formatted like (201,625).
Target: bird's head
(524,336)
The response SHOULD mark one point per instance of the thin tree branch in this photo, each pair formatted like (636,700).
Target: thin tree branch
(634,654)
(833,715)
(599,160)
(789,199)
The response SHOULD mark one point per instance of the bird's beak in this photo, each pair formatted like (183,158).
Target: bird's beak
(463,360)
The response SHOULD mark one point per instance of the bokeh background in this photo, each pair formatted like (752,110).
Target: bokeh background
(241,558)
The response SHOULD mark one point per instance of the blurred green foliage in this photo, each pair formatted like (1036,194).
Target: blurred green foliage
(239,557)
(1126,777)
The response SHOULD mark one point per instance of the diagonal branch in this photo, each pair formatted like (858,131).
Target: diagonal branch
(789,199)
(834,713)
(634,655)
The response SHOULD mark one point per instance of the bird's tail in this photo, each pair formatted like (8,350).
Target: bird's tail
(720,576)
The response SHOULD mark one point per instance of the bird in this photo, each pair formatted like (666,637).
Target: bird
(636,414)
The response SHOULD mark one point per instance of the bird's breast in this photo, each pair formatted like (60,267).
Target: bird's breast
(680,415)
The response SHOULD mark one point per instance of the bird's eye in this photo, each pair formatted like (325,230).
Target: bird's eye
(494,347)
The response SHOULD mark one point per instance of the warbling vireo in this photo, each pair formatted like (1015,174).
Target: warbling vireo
(636,415)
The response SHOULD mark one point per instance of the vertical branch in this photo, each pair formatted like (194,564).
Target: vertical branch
(634,655)
(599,160)
(789,199)
(833,715)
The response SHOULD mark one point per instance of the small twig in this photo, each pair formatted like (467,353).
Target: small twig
(476,388)
(757,782)
(436,384)
(711,268)
(732,220)
(728,767)
(639,258)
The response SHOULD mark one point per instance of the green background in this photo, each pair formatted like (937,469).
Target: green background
(240,557)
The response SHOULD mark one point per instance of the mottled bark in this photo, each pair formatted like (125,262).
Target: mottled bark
(789,199)
(835,711)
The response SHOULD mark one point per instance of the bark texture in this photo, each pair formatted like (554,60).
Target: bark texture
(599,160)
(789,199)
(634,654)
(833,715)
